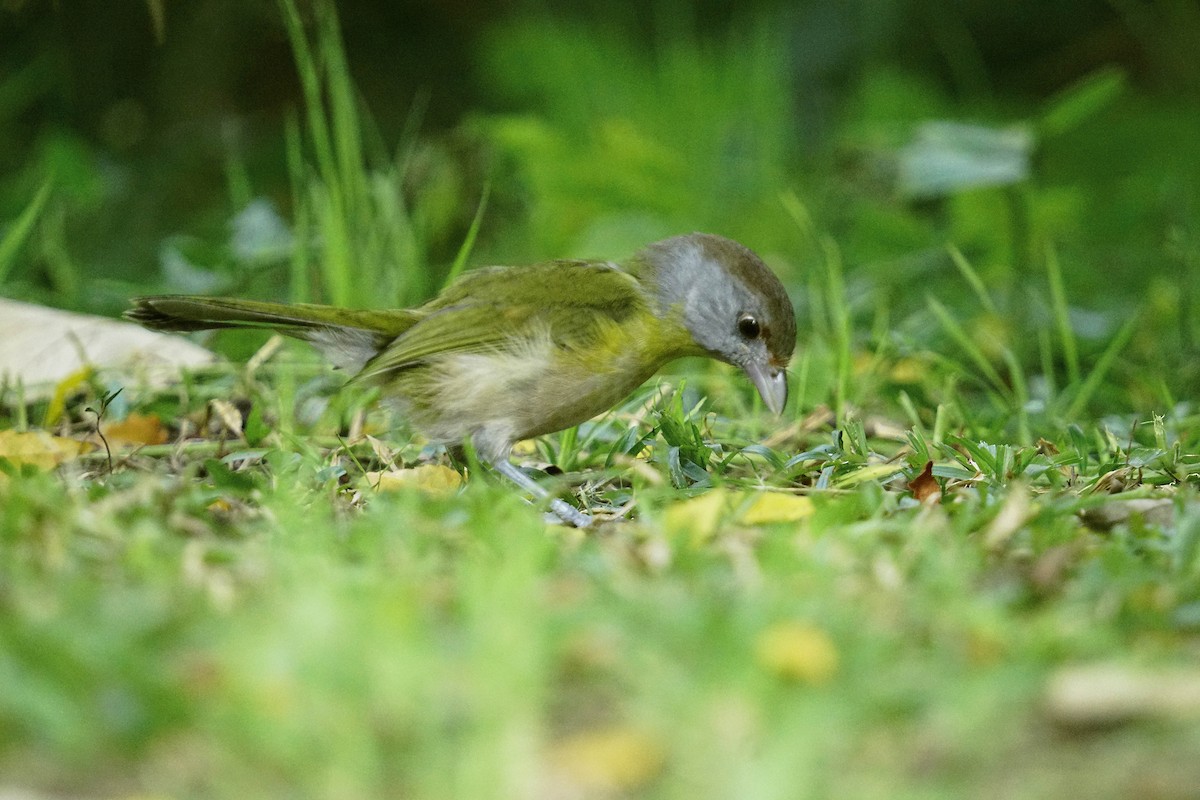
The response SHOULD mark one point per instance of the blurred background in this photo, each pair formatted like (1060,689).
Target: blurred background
(343,154)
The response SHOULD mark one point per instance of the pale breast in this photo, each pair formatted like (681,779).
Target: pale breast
(532,385)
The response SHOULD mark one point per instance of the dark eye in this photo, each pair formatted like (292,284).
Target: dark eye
(748,326)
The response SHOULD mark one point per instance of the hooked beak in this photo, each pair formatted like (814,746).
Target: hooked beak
(771,383)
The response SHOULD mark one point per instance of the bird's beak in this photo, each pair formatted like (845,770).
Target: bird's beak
(771,383)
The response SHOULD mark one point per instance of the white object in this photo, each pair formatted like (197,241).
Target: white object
(41,346)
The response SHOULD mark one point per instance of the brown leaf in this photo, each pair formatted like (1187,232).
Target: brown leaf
(136,429)
(925,487)
(1046,447)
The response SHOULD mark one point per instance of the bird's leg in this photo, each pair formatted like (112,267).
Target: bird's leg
(564,510)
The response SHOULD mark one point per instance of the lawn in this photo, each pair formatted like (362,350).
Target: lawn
(964,562)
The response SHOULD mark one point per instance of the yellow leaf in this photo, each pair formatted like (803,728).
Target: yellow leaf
(526,448)
(700,514)
(870,472)
(703,514)
(64,389)
(136,429)
(769,507)
(613,760)
(39,449)
(909,370)
(432,479)
(797,651)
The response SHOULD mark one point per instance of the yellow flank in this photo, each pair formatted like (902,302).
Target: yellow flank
(533,384)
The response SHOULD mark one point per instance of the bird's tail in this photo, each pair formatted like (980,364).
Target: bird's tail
(349,337)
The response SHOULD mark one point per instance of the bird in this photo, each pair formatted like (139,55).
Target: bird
(507,353)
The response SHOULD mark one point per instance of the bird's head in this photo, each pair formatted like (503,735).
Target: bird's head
(732,304)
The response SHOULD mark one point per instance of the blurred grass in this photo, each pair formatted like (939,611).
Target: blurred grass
(236,613)
(272,627)
(356,232)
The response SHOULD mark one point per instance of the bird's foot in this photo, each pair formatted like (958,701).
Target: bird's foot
(569,513)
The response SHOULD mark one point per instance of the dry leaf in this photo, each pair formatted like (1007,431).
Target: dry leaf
(769,507)
(1050,571)
(39,449)
(226,415)
(618,759)
(1013,515)
(1158,511)
(704,513)
(925,487)
(797,651)
(1104,695)
(432,479)
(871,472)
(700,514)
(136,429)
(1046,447)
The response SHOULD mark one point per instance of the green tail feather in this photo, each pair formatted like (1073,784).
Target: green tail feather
(348,337)
(192,313)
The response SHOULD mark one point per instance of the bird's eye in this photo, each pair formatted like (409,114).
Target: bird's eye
(748,327)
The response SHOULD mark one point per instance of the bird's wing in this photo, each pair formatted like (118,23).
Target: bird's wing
(490,308)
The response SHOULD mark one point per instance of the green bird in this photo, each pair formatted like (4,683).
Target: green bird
(508,353)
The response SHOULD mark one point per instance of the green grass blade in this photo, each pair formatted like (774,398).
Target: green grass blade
(1062,317)
(19,233)
(956,332)
(464,251)
(300,287)
(839,312)
(1100,371)
(972,277)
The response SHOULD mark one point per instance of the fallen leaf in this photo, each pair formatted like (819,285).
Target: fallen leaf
(925,487)
(1050,570)
(770,507)
(797,651)
(1106,695)
(432,479)
(700,514)
(136,429)
(1158,511)
(1112,482)
(704,513)
(1012,517)
(39,449)
(870,472)
(226,416)
(1046,447)
(617,759)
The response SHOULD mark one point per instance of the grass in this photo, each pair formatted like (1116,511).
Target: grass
(229,619)
(228,607)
